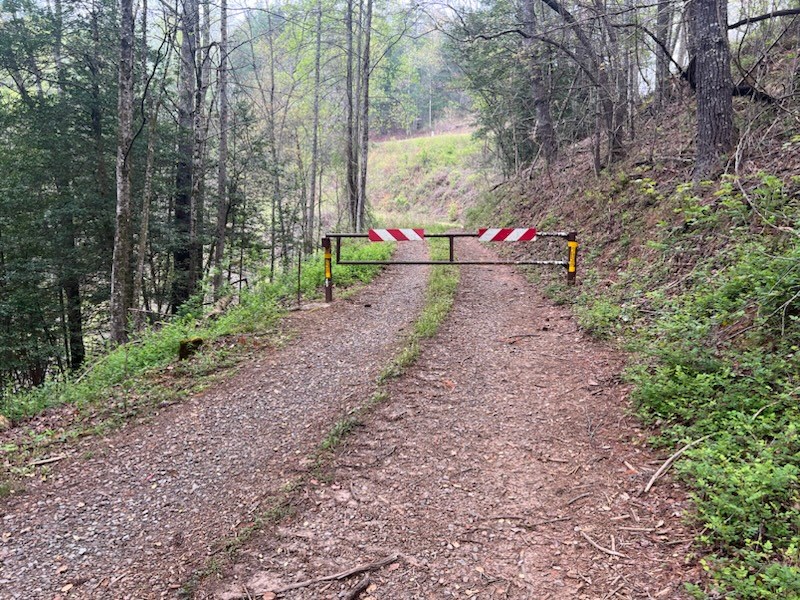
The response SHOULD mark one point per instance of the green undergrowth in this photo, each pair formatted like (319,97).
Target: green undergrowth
(128,368)
(711,310)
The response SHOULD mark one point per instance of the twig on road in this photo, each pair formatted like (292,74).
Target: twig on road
(668,463)
(360,587)
(47,461)
(576,498)
(373,566)
(599,547)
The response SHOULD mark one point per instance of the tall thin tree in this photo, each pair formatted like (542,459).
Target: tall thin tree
(222,174)
(545,133)
(121,265)
(715,132)
(363,119)
(309,231)
(181,255)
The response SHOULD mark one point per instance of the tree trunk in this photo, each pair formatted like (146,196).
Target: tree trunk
(309,231)
(121,263)
(544,133)
(663,21)
(278,216)
(351,161)
(197,207)
(96,116)
(181,254)
(364,121)
(597,69)
(68,275)
(72,291)
(222,177)
(715,132)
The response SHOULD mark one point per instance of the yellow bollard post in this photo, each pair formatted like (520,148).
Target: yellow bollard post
(572,266)
(326,246)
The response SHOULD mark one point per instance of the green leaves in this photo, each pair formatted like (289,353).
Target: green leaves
(718,355)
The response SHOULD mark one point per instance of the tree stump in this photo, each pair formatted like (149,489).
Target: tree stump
(188,347)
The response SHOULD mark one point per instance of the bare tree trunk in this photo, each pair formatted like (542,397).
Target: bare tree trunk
(593,65)
(309,230)
(351,161)
(96,114)
(715,132)
(72,317)
(545,133)
(181,255)
(632,90)
(616,84)
(153,106)
(203,34)
(222,177)
(121,265)
(596,163)
(364,120)
(663,20)
(278,217)
(147,198)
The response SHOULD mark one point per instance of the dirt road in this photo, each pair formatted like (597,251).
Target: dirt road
(505,465)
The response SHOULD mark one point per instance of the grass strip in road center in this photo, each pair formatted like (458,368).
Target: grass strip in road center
(439,296)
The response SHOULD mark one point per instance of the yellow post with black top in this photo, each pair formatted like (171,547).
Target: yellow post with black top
(572,264)
(326,247)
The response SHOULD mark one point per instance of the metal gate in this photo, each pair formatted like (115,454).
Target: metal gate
(570,263)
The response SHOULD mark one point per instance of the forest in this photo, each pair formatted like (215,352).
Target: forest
(154,155)
(167,170)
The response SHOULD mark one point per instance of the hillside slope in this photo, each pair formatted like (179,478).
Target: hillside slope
(702,284)
(429,178)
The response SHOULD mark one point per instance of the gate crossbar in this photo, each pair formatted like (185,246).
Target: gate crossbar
(569,264)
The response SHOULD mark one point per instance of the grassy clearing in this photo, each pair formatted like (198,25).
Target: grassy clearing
(712,311)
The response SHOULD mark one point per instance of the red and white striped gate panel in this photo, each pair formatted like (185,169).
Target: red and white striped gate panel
(507,234)
(396,235)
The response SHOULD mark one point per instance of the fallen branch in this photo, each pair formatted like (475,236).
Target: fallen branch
(360,587)
(599,547)
(668,463)
(47,461)
(576,498)
(374,566)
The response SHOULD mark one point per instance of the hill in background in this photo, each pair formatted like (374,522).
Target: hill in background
(428,178)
